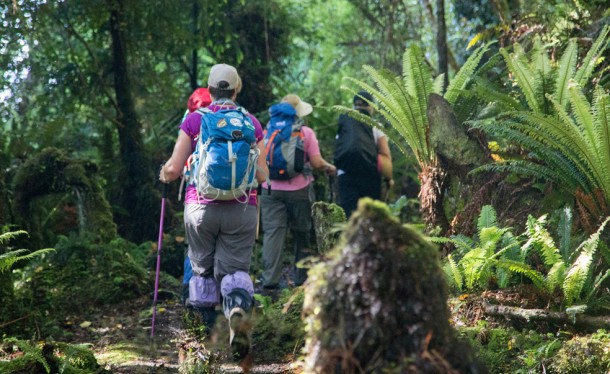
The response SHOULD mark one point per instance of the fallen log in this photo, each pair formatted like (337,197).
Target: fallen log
(511,312)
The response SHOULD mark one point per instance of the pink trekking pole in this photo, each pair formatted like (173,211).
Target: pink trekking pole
(159,243)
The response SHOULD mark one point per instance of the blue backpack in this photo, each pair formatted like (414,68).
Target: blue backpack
(224,162)
(284,143)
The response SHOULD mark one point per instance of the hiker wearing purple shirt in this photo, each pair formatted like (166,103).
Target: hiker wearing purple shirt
(220,234)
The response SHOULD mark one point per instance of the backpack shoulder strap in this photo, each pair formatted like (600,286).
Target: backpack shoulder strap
(297,125)
(203,111)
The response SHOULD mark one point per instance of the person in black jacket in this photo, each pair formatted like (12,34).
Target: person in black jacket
(362,157)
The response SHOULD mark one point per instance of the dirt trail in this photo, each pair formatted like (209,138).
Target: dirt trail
(120,338)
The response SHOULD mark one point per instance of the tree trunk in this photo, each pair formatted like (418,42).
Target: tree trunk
(379,303)
(193,74)
(134,173)
(433,180)
(441,42)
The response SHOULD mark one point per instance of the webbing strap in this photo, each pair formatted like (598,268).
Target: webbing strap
(232,158)
(269,145)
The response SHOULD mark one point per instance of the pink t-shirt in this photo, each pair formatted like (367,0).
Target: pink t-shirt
(191,126)
(311,147)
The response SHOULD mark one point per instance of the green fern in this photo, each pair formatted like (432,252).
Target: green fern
(454,275)
(8,259)
(568,136)
(487,217)
(494,255)
(525,270)
(543,241)
(402,101)
(77,356)
(564,232)
(572,151)
(465,76)
(580,270)
(31,353)
(590,61)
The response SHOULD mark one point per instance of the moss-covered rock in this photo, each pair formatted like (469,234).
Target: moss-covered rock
(51,173)
(586,354)
(379,304)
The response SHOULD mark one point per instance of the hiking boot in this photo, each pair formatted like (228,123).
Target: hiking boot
(239,338)
(237,306)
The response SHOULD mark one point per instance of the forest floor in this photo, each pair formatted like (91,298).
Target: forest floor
(121,340)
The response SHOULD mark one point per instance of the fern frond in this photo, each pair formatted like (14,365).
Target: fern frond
(438,83)
(472,264)
(489,94)
(544,75)
(79,356)
(556,276)
(463,244)
(525,270)
(543,242)
(524,77)
(465,75)
(581,109)
(583,74)
(456,274)
(417,77)
(579,271)
(490,236)
(567,67)
(564,232)
(7,260)
(487,218)
(4,238)
(601,121)
(396,104)
(599,280)
(30,351)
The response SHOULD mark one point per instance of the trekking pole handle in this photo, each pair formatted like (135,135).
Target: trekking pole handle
(164,190)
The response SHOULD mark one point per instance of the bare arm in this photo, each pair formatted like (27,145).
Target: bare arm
(385,158)
(262,171)
(173,167)
(319,163)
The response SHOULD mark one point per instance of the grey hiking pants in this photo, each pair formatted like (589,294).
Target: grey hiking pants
(280,210)
(220,237)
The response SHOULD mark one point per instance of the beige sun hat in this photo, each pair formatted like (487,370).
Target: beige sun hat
(224,73)
(299,105)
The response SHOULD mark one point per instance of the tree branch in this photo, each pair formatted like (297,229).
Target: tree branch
(593,322)
(71,31)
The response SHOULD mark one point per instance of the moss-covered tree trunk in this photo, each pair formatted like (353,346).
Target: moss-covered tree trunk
(458,152)
(380,303)
(326,216)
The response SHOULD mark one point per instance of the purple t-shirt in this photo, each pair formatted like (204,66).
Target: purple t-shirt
(191,126)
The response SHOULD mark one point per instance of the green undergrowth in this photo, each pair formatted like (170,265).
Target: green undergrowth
(48,357)
(279,332)
(507,350)
(80,276)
